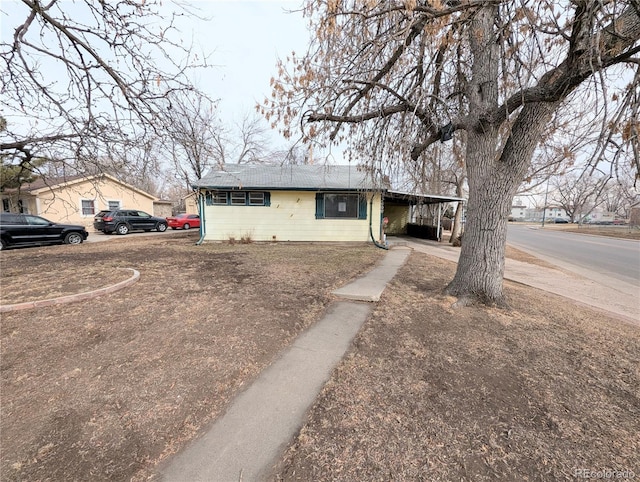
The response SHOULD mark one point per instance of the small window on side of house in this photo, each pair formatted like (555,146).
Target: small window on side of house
(238,198)
(219,197)
(114,205)
(88,207)
(256,199)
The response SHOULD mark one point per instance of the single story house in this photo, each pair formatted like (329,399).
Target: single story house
(75,199)
(299,203)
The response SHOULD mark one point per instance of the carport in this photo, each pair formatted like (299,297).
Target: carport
(418,215)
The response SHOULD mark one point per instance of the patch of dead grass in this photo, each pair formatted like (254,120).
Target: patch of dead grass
(535,392)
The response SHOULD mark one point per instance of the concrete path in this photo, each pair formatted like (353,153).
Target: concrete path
(244,443)
(607,294)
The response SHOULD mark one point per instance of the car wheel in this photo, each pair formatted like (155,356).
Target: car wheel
(122,229)
(161,227)
(186,226)
(73,238)
(3,244)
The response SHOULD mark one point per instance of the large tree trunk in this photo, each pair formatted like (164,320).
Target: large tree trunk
(493,180)
(494,174)
(481,263)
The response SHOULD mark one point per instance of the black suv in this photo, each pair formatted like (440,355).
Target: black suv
(30,230)
(122,221)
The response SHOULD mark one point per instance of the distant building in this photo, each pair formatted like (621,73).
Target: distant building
(551,212)
(518,212)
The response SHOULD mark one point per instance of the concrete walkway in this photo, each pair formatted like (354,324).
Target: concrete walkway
(244,443)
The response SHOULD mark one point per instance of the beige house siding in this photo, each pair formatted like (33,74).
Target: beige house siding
(162,209)
(191,204)
(291,216)
(64,202)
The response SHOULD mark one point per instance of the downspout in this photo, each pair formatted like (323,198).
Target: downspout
(381,246)
(202,219)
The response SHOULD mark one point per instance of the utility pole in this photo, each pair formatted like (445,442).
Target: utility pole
(544,208)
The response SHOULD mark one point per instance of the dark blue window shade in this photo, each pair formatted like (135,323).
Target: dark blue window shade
(319,205)
(267,199)
(209,199)
(362,206)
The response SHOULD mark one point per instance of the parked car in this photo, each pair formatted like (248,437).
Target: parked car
(122,221)
(184,221)
(560,221)
(30,230)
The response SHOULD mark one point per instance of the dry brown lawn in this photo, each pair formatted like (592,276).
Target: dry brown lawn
(104,389)
(546,390)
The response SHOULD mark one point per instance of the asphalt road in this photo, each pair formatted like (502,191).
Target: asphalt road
(610,257)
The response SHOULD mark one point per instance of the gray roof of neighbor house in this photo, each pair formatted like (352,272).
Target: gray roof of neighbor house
(291,177)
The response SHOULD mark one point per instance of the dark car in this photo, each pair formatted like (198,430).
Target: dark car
(30,230)
(122,221)
(560,221)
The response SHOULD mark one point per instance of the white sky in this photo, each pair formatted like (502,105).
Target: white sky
(244,40)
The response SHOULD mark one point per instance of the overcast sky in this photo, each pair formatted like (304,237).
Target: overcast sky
(244,39)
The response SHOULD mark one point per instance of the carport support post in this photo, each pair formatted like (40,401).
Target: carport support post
(438,227)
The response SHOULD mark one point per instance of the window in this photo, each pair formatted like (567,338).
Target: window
(256,199)
(88,207)
(5,205)
(238,198)
(113,205)
(341,205)
(219,197)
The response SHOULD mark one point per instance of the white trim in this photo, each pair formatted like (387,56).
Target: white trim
(82,214)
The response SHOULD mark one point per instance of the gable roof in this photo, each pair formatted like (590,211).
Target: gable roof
(292,177)
(43,185)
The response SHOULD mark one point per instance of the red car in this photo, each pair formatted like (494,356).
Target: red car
(184,221)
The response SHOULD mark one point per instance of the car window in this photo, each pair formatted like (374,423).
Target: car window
(142,214)
(131,213)
(12,219)
(37,220)
(194,216)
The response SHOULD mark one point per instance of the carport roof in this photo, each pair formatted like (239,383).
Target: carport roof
(409,199)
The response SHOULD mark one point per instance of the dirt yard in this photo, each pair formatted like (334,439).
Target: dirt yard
(104,389)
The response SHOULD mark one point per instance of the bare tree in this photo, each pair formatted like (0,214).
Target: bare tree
(393,78)
(578,194)
(196,139)
(85,82)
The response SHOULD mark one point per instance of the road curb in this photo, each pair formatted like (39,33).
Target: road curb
(27,305)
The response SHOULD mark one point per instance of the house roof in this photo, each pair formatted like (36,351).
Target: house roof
(292,177)
(48,183)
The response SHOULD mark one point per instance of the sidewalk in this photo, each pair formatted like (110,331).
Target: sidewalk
(606,294)
(245,441)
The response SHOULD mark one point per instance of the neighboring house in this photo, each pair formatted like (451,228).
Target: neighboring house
(518,212)
(297,203)
(75,199)
(190,203)
(162,208)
